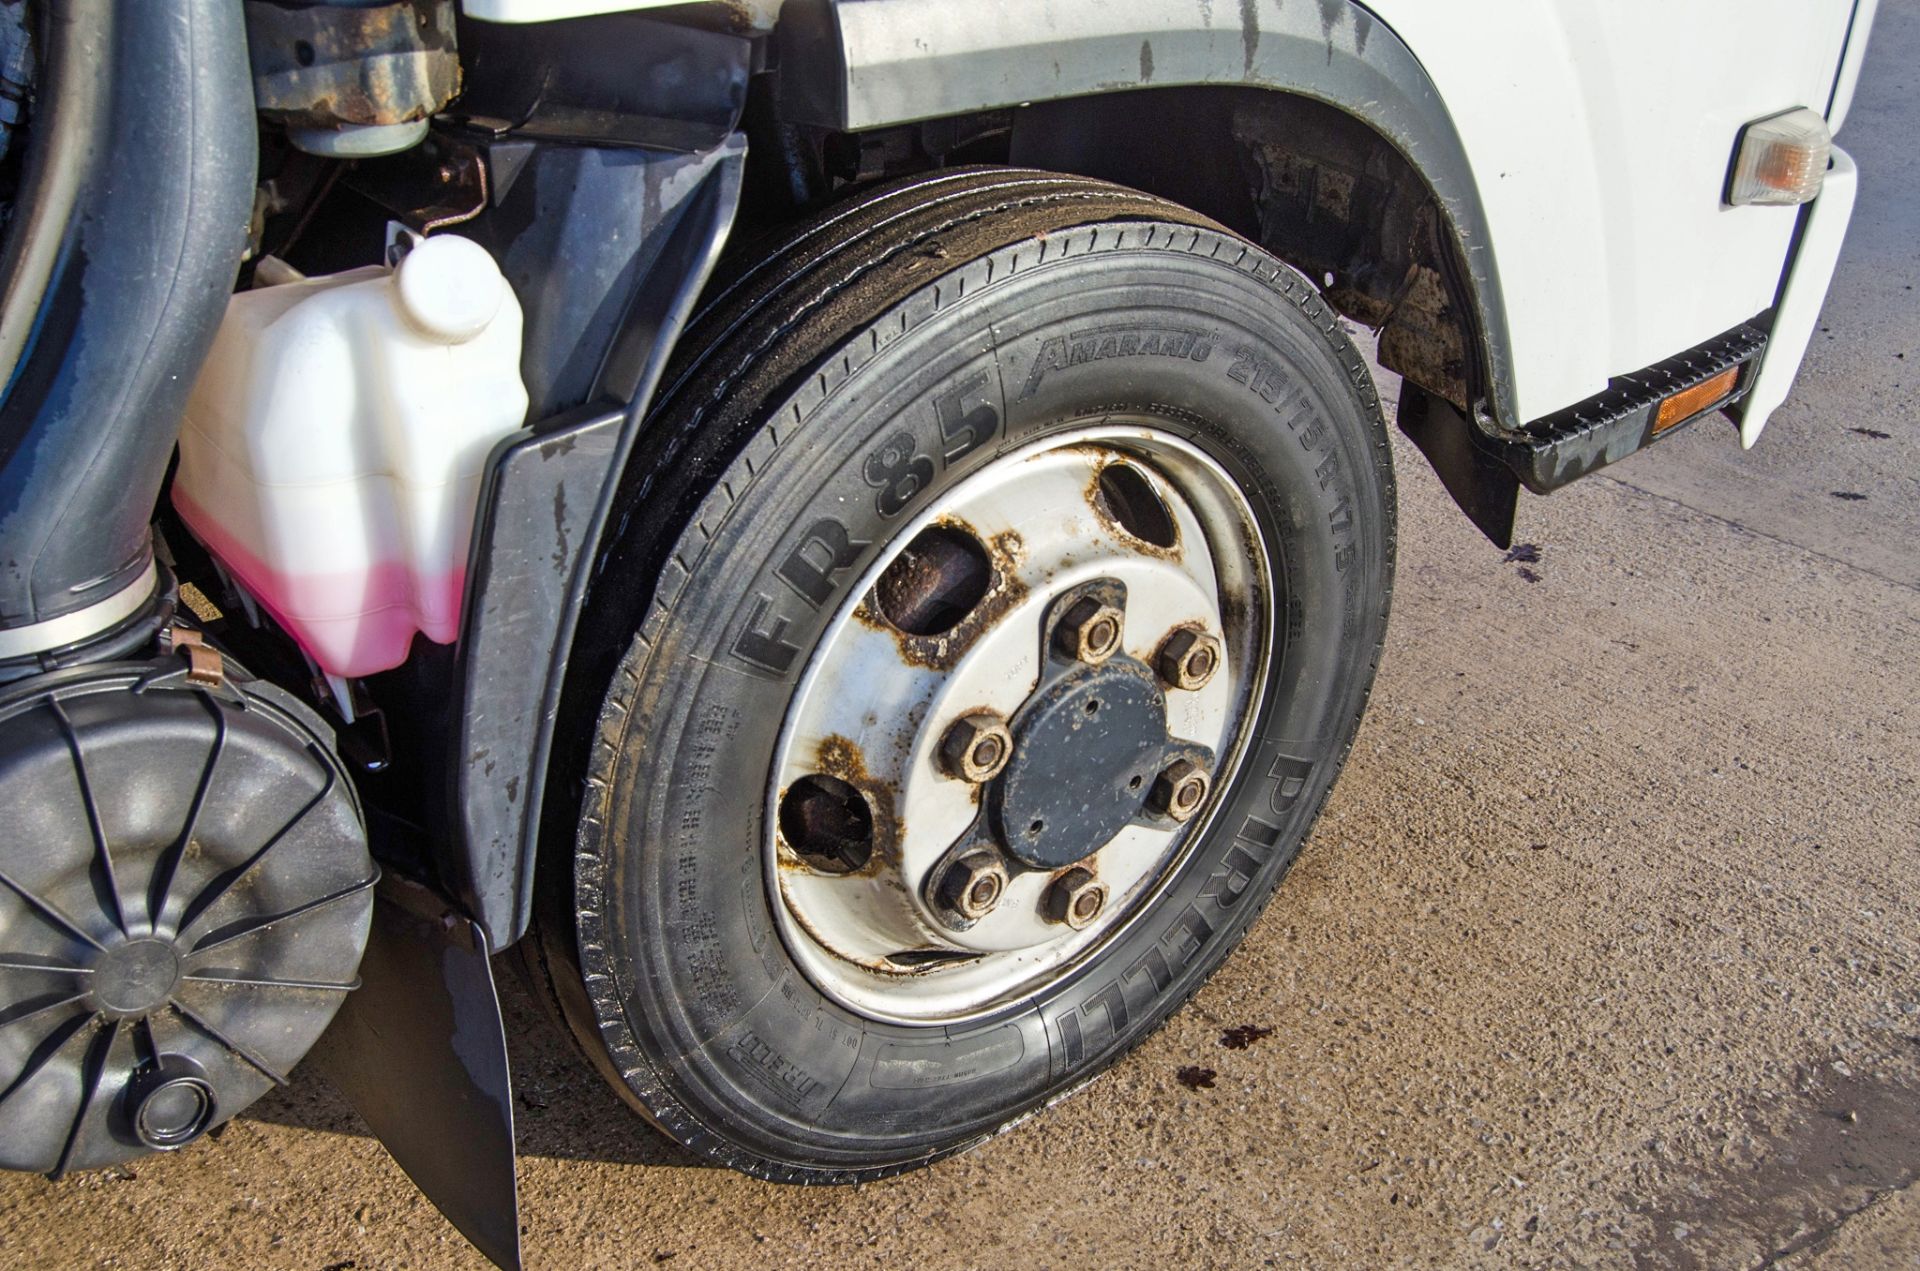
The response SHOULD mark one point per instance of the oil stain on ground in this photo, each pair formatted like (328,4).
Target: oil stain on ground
(1850,1139)
(1241,1036)
(1194,1077)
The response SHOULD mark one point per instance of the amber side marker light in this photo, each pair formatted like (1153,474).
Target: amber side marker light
(1688,402)
(1781,159)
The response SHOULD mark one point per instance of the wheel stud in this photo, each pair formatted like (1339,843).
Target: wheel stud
(1179,790)
(1076,898)
(1090,631)
(1187,659)
(976,747)
(972,886)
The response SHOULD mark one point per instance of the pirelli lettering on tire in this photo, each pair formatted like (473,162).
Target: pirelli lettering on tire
(1103,1016)
(1096,344)
(779,1074)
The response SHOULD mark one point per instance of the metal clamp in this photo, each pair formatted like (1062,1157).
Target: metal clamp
(81,624)
(205,665)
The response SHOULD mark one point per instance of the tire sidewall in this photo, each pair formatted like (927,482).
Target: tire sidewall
(701,1006)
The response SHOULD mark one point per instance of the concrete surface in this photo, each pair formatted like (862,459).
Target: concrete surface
(1604,954)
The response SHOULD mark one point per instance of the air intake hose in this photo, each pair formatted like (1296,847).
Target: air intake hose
(130,224)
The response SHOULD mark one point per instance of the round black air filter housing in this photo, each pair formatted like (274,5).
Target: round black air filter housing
(185,890)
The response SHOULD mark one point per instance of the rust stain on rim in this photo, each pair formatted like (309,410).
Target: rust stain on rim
(841,758)
(943,651)
(1097,498)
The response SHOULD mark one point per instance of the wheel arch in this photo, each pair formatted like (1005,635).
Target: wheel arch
(1335,132)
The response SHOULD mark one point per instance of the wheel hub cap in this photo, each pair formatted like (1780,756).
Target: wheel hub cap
(1085,751)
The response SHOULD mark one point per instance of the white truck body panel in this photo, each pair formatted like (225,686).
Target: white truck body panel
(1856,55)
(1802,297)
(1599,137)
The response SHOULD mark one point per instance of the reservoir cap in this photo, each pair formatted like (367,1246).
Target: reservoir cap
(449,288)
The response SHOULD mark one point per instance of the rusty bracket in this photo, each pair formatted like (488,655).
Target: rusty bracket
(439,183)
(331,66)
(205,665)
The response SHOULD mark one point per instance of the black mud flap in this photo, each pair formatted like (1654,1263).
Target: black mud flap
(420,1051)
(1479,481)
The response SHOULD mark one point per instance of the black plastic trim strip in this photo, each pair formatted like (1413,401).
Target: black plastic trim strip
(1618,421)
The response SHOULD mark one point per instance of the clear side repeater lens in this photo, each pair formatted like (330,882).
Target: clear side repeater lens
(1782,159)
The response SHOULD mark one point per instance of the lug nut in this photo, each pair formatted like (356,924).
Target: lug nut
(973,885)
(1075,898)
(1187,659)
(1090,631)
(977,747)
(1179,791)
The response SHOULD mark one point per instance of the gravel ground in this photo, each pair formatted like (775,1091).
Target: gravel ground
(1603,955)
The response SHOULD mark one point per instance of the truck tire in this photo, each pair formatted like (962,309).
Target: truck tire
(884,840)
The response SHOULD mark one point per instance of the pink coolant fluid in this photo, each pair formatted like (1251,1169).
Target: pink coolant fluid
(334,445)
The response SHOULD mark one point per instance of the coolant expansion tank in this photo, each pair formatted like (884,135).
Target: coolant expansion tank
(334,444)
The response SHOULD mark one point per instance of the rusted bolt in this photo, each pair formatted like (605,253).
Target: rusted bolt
(1179,790)
(977,747)
(1090,631)
(972,885)
(1187,659)
(1075,898)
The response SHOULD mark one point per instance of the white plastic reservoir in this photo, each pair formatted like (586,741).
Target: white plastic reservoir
(334,444)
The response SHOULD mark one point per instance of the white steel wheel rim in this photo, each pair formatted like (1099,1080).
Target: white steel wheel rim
(871,712)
